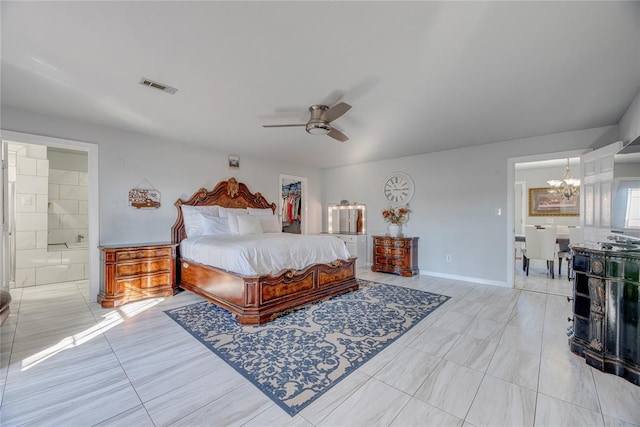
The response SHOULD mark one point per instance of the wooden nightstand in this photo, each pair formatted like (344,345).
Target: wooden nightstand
(397,255)
(133,272)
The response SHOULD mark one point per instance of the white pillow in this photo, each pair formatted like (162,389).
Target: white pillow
(271,223)
(224,212)
(195,216)
(249,225)
(233,223)
(258,211)
(215,227)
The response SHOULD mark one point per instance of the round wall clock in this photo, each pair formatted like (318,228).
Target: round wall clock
(398,188)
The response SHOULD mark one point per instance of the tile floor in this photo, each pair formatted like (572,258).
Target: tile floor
(489,356)
(539,280)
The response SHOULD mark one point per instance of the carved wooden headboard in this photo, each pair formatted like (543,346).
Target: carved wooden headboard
(229,194)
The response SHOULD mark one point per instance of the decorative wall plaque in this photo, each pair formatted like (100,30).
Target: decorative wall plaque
(144,197)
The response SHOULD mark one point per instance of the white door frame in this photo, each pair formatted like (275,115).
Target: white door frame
(511,165)
(523,209)
(93,197)
(305,196)
(523,205)
(4,244)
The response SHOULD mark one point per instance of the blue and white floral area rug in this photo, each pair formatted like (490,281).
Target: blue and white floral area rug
(295,358)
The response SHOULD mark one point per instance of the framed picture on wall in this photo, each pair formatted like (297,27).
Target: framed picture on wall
(234,161)
(544,203)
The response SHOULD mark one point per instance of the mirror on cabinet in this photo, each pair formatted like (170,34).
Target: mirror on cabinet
(346,219)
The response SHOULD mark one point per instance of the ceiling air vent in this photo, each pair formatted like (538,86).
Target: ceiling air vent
(146,82)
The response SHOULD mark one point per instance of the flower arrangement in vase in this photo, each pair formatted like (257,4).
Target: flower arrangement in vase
(396,216)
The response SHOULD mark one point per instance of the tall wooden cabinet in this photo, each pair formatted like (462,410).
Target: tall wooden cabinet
(133,272)
(606,310)
(398,255)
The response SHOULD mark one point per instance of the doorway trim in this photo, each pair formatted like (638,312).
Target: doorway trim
(523,209)
(304,181)
(93,197)
(523,201)
(511,172)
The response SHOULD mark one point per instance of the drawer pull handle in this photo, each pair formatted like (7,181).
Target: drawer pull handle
(185,265)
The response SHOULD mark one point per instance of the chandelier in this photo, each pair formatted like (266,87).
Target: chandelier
(567,187)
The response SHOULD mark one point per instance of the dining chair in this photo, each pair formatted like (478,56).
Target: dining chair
(574,237)
(540,244)
(562,249)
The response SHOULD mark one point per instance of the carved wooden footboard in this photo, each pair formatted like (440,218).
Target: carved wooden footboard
(256,299)
(259,299)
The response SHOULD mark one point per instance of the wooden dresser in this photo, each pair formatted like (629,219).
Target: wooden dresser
(133,272)
(397,255)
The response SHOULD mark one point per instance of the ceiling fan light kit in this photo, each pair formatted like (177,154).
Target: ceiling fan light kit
(318,128)
(321,116)
(317,125)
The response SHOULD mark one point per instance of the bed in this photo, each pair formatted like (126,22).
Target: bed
(255,298)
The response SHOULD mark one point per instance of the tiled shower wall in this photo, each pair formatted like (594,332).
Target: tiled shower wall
(51,207)
(68,208)
(31,178)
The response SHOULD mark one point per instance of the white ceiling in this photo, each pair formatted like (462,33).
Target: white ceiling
(421,76)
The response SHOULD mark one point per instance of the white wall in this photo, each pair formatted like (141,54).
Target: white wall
(177,171)
(457,194)
(67,160)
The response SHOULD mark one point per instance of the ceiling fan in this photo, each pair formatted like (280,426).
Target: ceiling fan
(319,122)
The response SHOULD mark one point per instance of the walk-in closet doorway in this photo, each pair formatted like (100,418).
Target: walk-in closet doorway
(292,207)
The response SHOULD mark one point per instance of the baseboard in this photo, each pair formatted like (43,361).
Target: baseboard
(465,278)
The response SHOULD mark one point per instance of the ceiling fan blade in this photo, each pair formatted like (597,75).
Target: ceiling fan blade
(333,98)
(336,111)
(336,134)
(282,126)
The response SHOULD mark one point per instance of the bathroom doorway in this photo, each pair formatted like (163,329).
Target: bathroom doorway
(51,198)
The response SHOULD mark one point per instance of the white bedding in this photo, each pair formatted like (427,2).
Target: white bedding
(261,254)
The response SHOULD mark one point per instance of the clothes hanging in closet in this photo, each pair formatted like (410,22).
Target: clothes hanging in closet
(291,203)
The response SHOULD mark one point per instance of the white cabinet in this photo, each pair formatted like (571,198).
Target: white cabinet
(356,245)
(348,222)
